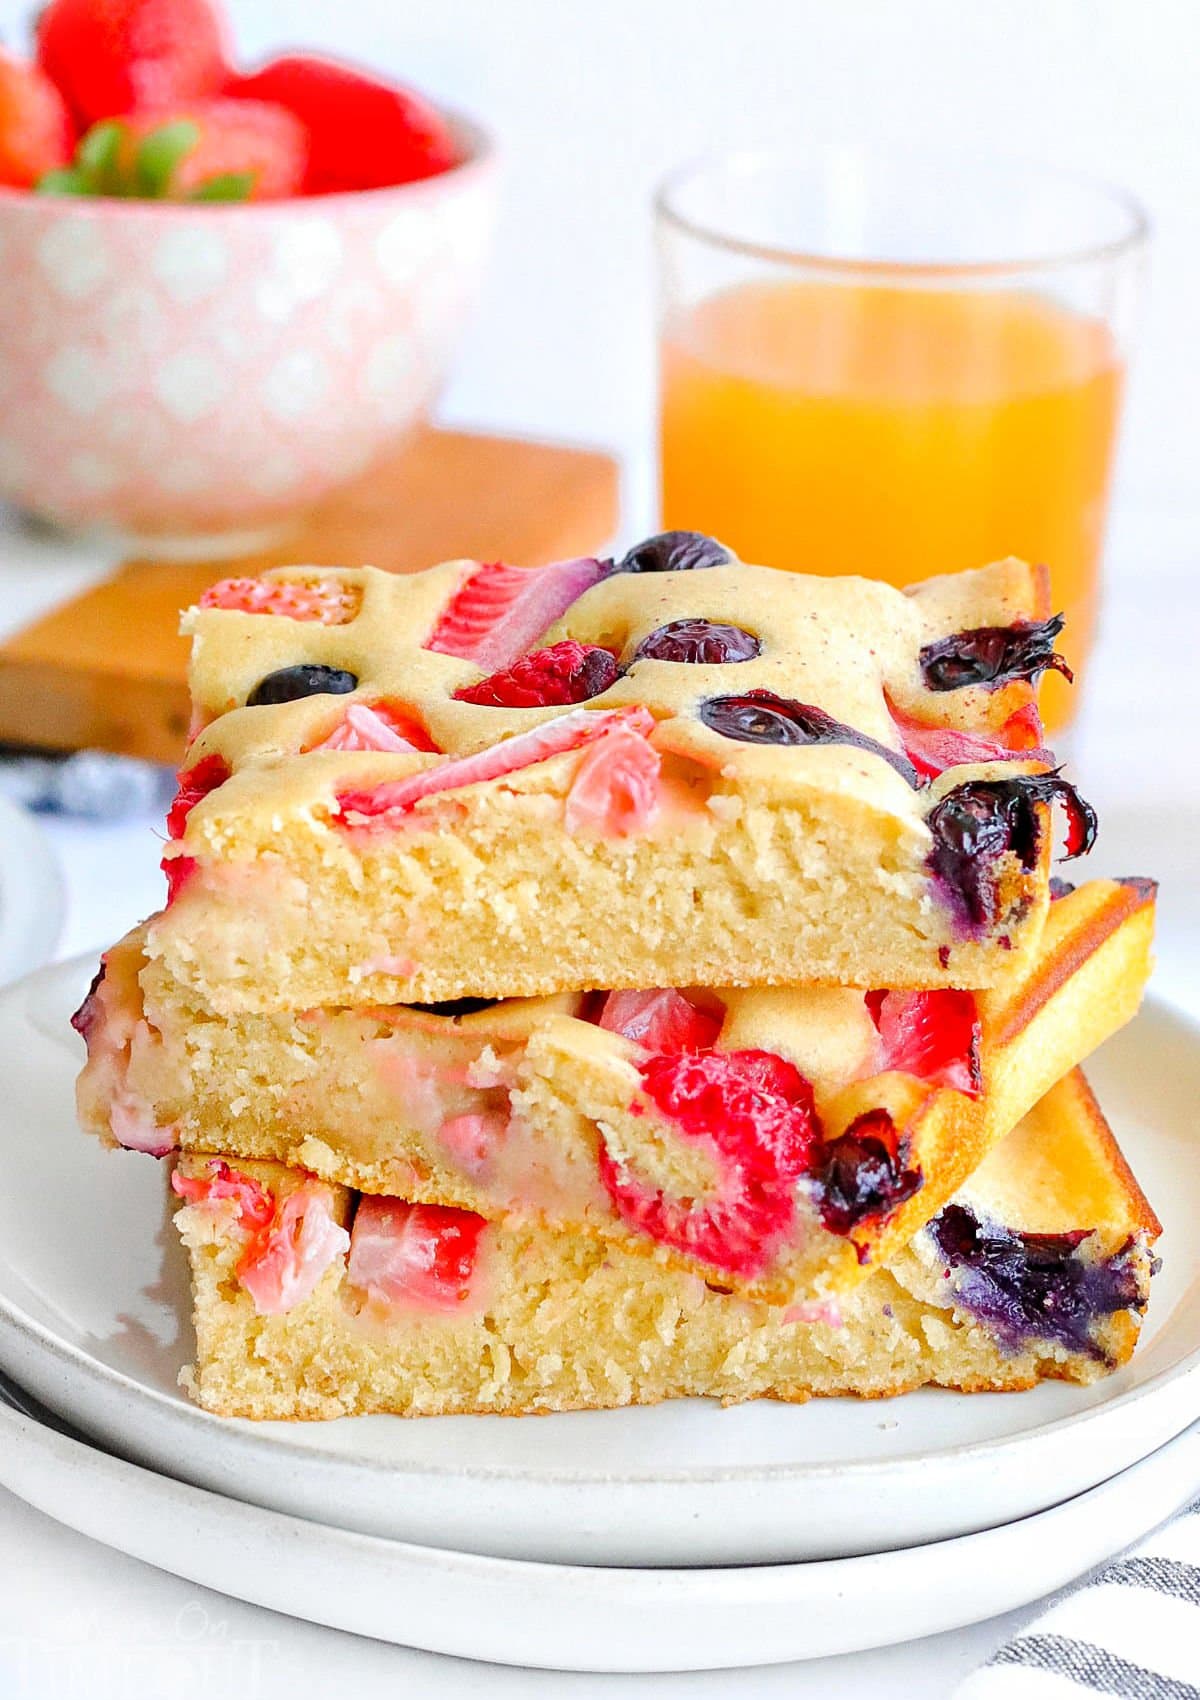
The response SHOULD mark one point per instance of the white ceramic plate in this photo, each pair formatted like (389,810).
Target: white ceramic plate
(31,893)
(565,1617)
(93,1319)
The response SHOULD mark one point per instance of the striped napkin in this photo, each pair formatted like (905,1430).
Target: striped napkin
(1131,1628)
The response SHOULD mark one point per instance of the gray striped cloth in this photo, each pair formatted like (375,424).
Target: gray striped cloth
(1131,1629)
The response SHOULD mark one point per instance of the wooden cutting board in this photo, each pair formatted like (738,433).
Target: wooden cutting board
(107,670)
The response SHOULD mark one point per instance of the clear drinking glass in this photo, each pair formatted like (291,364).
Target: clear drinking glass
(896,364)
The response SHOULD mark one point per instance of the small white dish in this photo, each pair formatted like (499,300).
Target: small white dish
(32,899)
(566,1617)
(93,1320)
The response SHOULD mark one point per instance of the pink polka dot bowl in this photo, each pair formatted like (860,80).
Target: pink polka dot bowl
(193,377)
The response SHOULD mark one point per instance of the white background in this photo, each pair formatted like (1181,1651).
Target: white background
(592,103)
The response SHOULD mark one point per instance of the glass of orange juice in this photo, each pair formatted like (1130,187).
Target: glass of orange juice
(896,365)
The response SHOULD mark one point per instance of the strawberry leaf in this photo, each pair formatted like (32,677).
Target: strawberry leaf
(68,181)
(97,155)
(228,186)
(159,156)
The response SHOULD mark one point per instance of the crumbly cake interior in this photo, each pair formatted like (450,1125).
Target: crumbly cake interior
(503,1110)
(744,868)
(552,1322)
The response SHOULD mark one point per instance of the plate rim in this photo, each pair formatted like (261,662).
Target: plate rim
(250,1438)
(732,1587)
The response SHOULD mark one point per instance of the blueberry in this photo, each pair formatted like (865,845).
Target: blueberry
(698,641)
(1032,1286)
(977,823)
(861,1174)
(305,679)
(761,717)
(993,655)
(675,552)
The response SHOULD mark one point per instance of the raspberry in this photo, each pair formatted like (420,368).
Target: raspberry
(861,1175)
(115,56)
(755,1113)
(326,600)
(761,717)
(933,1035)
(567,672)
(195,783)
(36,134)
(994,655)
(698,641)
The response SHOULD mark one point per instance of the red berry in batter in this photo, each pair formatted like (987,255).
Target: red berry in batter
(755,1115)
(567,672)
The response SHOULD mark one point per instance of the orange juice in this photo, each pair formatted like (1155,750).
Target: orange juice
(895,432)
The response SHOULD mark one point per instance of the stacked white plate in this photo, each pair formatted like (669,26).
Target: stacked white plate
(680,1537)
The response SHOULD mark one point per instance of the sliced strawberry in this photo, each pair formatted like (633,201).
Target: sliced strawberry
(615,792)
(755,1114)
(327,600)
(255,1205)
(195,783)
(500,611)
(419,1255)
(377,726)
(933,749)
(933,1035)
(281,1267)
(396,797)
(565,673)
(662,1020)
(471,1139)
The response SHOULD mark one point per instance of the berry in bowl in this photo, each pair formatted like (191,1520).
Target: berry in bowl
(226,294)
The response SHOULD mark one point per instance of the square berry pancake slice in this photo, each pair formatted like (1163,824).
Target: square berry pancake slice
(676,769)
(780,1143)
(312,1302)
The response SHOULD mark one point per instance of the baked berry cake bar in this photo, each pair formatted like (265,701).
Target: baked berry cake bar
(311,1301)
(676,769)
(778,1142)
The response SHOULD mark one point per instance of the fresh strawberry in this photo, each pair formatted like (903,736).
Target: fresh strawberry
(109,57)
(195,783)
(500,612)
(615,792)
(933,749)
(326,600)
(755,1114)
(933,1035)
(378,726)
(419,1255)
(364,133)
(390,802)
(663,1021)
(36,133)
(216,150)
(567,672)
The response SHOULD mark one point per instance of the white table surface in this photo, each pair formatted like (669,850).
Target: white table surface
(78,1618)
